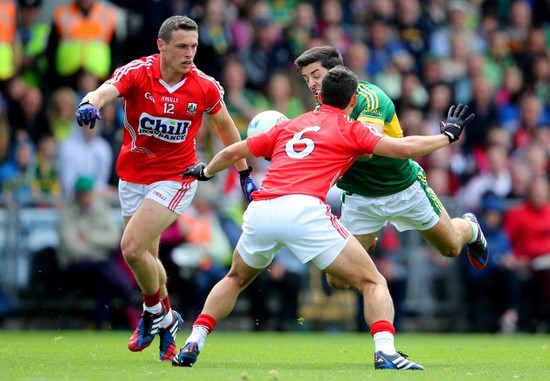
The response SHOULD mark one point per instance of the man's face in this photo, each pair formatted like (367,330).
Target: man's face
(180,51)
(313,75)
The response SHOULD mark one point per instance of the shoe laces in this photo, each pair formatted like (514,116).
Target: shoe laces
(402,354)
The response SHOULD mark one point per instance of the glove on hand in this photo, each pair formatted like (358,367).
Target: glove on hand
(87,113)
(197,171)
(247,184)
(456,121)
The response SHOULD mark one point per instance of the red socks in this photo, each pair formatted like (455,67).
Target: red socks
(166,302)
(381,326)
(151,300)
(207,321)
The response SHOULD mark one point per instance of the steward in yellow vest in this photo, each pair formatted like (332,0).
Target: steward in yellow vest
(83,38)
(33,36)
(8,40)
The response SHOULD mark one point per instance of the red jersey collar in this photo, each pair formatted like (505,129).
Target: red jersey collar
(331,109)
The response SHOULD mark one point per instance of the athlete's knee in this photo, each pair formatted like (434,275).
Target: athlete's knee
(369,282)
(130,250)
(335,283)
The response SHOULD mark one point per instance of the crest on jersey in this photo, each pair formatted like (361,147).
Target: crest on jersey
(192,108)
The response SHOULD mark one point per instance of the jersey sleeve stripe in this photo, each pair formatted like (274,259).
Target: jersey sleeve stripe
(133,65)
(370,96)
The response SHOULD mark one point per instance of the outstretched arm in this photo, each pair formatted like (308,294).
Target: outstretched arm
(414,146)
(222,160)
(103,95)
(88,110)
(410,146)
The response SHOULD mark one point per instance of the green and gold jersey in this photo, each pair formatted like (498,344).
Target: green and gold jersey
(378,176)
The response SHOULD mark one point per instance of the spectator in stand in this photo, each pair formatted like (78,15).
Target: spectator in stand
(265,54)
(414,29)
(5,132)
(495,309)
(455,65)
(357,59)
(32,122)
(215,38)
(412,94)
(521,176)
(86,153)
(85,82)
(88,239)
(431,71)
(302,29)
(144,19)
(332,27)
(537,158)
(440,97)
(242,103)
(498,58)
(517,28)
(281,95)
(508,95)
(531,117)
(496,178)
(458,13)
(83,37)
(33,36)
(462,85)
(17,174)
(61,113)
(539,81)
(528,226)
(46,183)
(383,46)
(483,102)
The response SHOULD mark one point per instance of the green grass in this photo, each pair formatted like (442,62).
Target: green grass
(85,355)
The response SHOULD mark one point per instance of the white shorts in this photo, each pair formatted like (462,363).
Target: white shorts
(415,208)
(303,224)
(174,195)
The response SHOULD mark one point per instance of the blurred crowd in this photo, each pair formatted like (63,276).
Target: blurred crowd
(493,55)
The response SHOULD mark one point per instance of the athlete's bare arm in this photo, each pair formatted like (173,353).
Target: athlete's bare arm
(409,146)
(103,95)
(228,156)
(225,126)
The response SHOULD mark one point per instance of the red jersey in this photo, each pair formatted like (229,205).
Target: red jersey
(310,153)
(529,230)
(161,121)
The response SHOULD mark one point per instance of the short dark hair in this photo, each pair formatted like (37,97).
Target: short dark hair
(174,23)
(338,86)
(328,56)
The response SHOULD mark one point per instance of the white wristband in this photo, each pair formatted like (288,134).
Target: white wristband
(205,173)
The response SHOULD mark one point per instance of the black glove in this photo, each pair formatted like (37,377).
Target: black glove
(197,171)
(87,113)
(456,121)
(247,184)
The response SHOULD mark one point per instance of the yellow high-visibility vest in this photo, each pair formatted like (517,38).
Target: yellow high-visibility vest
(8,28)
(84,40)
(36,46)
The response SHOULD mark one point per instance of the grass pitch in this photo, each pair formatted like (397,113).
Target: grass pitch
(85,355)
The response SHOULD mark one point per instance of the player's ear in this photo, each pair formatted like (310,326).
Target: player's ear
(160,44)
